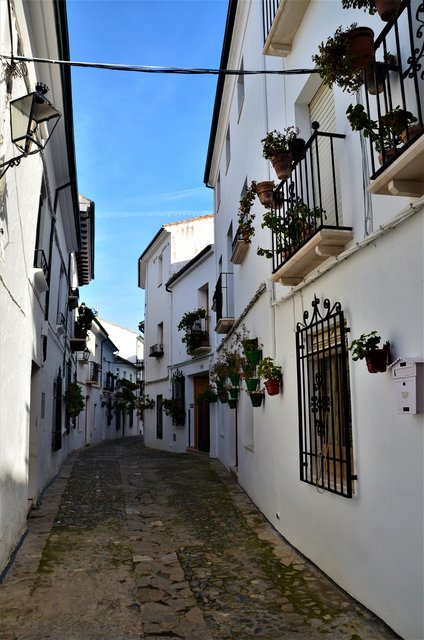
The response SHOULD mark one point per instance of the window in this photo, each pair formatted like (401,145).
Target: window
(240,90)
(325,427)
(227,148)
(218,192)
(57,413)
(159,418)
(160,270)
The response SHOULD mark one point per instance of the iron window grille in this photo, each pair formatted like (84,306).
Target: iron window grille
(223,297)
(325,425)
(178,398)
(156,351)
(93,373)
(40,262)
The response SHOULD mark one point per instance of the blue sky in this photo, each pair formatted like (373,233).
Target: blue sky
(141,139)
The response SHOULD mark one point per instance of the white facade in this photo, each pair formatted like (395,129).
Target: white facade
(372,544)
(172,248)
(43,259)
(130,343)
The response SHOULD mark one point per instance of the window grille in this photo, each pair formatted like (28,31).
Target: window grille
(325,426)
(159,418)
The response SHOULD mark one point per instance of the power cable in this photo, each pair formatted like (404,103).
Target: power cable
(154,69)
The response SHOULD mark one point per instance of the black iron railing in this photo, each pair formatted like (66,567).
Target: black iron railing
(93,373)
(109,382)
(60,320)
(40,262)
(325,427)
(223,298)
(156,350)
(269,10)
(396,80)
(309,200)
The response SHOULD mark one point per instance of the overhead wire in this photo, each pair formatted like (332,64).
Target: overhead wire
(155,69)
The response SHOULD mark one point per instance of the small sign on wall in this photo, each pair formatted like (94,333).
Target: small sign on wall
(408,377)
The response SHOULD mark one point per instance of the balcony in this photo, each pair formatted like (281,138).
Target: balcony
(156,351)
(240,247)
(281,19)
(79,339)
(397,82)
(60,324)
(73,298)
(93,374)
(223,301)
(306,215)
(41,271)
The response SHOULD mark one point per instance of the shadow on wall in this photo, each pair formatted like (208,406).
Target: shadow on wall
(13,518)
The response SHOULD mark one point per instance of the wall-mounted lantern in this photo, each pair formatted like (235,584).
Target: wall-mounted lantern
(28,131)
(86,355)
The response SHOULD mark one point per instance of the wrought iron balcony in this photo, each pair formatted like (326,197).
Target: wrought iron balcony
(306,216)
(197,339)
(281,20)
(93,372)
(223,302)
(139,364)
(156,351)
(73,298)
(396,81)
(60,323)
(41,271)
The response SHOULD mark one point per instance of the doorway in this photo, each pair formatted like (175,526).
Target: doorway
(201,416)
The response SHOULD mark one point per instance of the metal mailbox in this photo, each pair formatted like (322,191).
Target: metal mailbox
(408,376)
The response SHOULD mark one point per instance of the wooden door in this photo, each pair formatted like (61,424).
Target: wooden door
(201,416)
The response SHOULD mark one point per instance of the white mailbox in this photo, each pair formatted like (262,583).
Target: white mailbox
(408,376)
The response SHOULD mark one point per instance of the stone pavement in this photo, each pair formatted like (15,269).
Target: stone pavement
(132,543)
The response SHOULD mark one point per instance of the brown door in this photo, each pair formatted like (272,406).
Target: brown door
(201,416)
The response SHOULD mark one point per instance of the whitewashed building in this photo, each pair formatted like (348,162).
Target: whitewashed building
(46,253)
(176,249)
(335,461)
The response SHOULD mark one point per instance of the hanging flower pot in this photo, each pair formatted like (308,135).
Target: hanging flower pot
(297,149)
(388,10)
(232,403)
(254,356)
(375,77)
(377,360)
(282,163)
(233,391)
(360,41)
(265,192)
(272,386)
(235,379)
(256,398)
(252,384)
(249,344)
(222,395)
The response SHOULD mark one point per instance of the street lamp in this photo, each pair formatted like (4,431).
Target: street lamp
(27,117)
(86,355)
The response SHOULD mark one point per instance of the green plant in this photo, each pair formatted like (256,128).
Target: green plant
(209,394)
(173,407)
(143,403)
(267,369)
(219,370)
(336,64)
(245,217)
(388,134)
(275,142)
(235,361)
(125,398)
(366,5)
(74,399)
(85,317)
(365,343)
(191,325)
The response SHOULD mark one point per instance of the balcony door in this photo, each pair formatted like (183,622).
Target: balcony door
(201,416)
(322,110)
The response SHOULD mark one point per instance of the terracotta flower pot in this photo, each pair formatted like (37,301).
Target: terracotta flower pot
(361,47)
(265,192)
(282,163)
(388,155)
(377,360)
(272,386)
(411,132)
(388,10)
(375,77)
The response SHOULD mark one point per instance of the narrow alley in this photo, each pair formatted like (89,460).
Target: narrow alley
(133,543)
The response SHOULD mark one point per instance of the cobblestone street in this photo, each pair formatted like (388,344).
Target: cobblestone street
(130,543)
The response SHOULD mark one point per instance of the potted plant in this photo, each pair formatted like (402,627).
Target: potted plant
(271,373)
(245,217)
(219,372)
(173,407)
(265,192)
(194,336)
(74,399)
(256,398)
(366,347)
(388,10)
(209,394)
(276,147)
(143,403)
(343,57)
(84,319)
